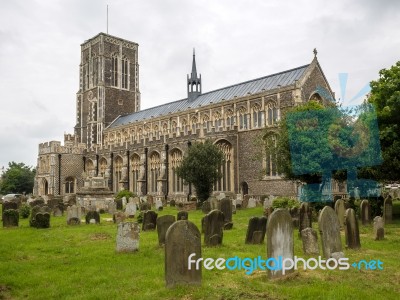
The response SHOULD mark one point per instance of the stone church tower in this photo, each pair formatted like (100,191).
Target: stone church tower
(108,86)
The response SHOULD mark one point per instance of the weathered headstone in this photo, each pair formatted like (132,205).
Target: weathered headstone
(163,223)
(310,241)
(74,215)
(329,228)
(58,210)
(128,237)
(352,233)
(387,211)
(214,203)
(294,213)
(33,222)
(144,206)
(112,207)
(158,204)
(233,206)
(280,240)
(182,215)
(118,203)
(42,220)
(172,203)
(10,218)
(379,229)
(149,220)
(150,200)
(365,212)
(92,215)
(256,230)
(305,216)
(130,210)
(340,211)
(119,217)
(252,203)
(206,207)
(182,240)
(9,205)
(124,202)
(226,208)
(213,224)
(245,201)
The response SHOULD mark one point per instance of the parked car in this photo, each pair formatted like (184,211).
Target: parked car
(10,197)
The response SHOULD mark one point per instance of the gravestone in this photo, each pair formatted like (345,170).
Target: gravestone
(158,204)
(182,239)
(92,217)
(172,203)
(37,202)
(252,203)
(150,201)
(214,203)
(365,212)
(118,204)
(305,216)
(74,215)
(42,220)
(379,230)
(387,211)
(206,207)
(9,205)
(234,206)
(310,241)
(294,213)
(340,211)
(112,207)
(163,223)
(213,224)
(182,215)
(352,233)
(35,211)
(10,218)
(58,210)
(256,230)
(149,220)
(245,201)
(119,217)
(130,210)
(144,206)
(127,237)
(329,228)
(124,202)
(135,200)
(226,208)
(280,239)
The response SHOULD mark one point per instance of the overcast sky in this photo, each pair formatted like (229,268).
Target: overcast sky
(235,41)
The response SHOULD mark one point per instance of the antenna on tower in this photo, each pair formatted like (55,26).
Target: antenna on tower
(107,18)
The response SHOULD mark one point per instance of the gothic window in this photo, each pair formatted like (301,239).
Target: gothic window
(175,161)
(174,127)
(206,123)
(271,155)
(135,169)
(194,124)
(258,117)
(125,73)
(272,114)
(243,122)
(103,166)
(90,170)
(155,167)
(117,171)
(157,132)
(69,185)
(114,71)
(225,183)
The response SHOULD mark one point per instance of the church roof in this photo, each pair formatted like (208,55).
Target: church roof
(254,86)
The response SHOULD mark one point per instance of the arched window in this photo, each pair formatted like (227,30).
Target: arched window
(155,167)
(45,187)
(258,116)
(243,119)
(118,172)
(272,114)
(90,170)
(103,166)
(114,70)
(125,73)
(69,185)
(226,182)
(194,124)
(271,155)
(176,183)
(135,171)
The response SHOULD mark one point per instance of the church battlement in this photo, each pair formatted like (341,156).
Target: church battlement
(55,147)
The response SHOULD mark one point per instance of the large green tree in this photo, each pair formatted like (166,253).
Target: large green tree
(201,166)
(18,178)
(385,95)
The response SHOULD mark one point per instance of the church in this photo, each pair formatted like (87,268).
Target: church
(119,146)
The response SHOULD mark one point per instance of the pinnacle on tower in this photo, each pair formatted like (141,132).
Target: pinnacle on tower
(193,82)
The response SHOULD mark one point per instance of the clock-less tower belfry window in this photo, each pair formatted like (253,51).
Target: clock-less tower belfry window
(108,85)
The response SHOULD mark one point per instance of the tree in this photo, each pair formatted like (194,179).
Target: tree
(385,96)
(18,178)
(201,167)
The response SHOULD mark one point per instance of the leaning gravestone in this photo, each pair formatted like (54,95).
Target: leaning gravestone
(387,211)
(182,215)
(128,237)
(226,208)
(74,215)
(182,239)
(352,233)
(329,228)
(10,218)
(149,220)
(163,223)
(305,216)
(280,239)
(379,229)
(256,230)
(213,224)
(206,207)
(92,217)
(310,241)
(130,210)
(340,211)
(365,212)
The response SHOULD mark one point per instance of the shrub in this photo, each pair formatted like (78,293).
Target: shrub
(24,211)
(285,202)
(125,193)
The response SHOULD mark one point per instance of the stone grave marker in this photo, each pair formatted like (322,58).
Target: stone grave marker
(213,224)
(124,202)
(329,228)
(234,206)
(10,218)
(379,229)
(182,215)
(172,203)
(226,208)
(73,215)
(340,211)
(149,220)
(163,223)
(245,201)
(256,230)
(127,237)
(352,233)
(280,239)
(214,203)
(130,210)
(182,239)
(310,241)
(42,220)
(58,210)
(144,206)
(150,201)
(387,211)
(92,217)
(118,203)
(252,203)
(119,217)
(206,207)
(305,216)
(365,212)
(159,204)
(112,207)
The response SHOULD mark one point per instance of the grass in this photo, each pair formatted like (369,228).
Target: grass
(80,262)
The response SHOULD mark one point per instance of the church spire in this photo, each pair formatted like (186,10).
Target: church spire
(193,82)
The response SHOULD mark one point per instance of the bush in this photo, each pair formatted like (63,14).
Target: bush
(24,211)
(285,202)
(140,218)
(125,193)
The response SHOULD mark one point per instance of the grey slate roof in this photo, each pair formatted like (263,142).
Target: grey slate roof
(241,89)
